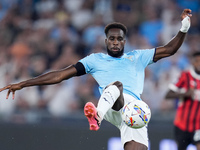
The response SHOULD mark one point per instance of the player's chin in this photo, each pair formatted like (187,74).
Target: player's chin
(115,53)
(198,71)
(119,54)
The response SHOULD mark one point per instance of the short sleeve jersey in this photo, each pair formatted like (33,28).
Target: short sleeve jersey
(128,69)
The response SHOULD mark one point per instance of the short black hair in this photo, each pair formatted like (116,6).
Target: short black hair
(115,25)
(197,53)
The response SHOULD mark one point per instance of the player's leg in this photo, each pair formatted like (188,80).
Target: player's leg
(182,139)
(132,145)
(119,103)
(196,139)
(198,146)
(110,95)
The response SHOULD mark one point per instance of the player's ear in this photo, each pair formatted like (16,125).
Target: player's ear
(106,41)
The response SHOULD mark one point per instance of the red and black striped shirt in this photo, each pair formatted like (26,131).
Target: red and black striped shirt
(188,111)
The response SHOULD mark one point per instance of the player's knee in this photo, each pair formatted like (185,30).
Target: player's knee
(132,144)
(119,85)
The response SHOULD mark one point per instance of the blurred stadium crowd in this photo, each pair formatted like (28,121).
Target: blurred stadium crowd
(38,36)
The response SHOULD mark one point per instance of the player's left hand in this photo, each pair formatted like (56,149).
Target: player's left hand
(11,89)
(185,13)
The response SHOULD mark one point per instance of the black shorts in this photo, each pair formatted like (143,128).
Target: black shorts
(184,138)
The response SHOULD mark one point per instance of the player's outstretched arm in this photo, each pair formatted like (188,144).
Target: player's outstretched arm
(172,47)
(45,79)
(171,94)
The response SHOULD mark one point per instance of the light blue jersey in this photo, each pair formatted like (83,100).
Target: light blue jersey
(129,69)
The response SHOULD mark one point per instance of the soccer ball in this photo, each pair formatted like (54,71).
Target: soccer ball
(136,114)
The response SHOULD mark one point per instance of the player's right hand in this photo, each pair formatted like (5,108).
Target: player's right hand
(189,93)
(11,88)
(185,13)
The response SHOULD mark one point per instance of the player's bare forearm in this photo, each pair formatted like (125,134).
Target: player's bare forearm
(176,42)
(170,48)
(173,46)
(45,79)
(171,94)
(52,77)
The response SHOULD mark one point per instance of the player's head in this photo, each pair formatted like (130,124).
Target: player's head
(115,39)
(196,61)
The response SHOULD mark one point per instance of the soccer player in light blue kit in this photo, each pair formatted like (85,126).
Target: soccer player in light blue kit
(120,77)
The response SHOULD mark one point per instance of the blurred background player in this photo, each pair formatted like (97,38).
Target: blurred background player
(187,91)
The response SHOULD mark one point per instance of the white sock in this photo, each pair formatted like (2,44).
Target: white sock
(107,100)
